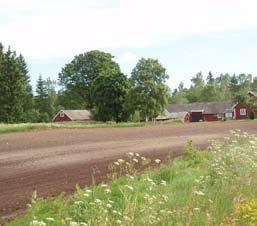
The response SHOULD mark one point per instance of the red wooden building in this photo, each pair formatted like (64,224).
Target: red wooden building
(72,115)
(212,111)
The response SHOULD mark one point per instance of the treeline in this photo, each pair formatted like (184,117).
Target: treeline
(223,87)
(92,80)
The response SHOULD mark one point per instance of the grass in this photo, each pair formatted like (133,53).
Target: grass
(211,187)
(8,128)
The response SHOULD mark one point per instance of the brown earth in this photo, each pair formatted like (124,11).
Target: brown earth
(54,161)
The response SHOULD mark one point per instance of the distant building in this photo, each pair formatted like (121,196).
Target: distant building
(210,111)
(183,116)
(72,115)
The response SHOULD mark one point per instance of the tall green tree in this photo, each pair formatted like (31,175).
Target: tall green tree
(79,75)
(149,94)
(195,92)
(14,87)
(109,95)
(45,99)
(179,95)
(210,90)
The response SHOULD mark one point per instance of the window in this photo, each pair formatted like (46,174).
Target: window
(242,111)
(61,114)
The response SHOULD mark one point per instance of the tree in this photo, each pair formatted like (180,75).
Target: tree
(195,92)
(45,99)
(223,83)
(210,92)
(14,87)
(28,95)
(240,86)
(179,95)
(78,76)
(149,94)
(109,94)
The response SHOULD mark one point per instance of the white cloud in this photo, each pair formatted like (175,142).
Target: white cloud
(57,28)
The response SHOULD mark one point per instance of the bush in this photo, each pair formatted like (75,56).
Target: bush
(252,115)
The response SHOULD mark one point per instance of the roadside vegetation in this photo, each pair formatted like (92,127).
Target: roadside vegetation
(216,186)
(21,127)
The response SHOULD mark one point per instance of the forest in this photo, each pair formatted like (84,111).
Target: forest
(93,80)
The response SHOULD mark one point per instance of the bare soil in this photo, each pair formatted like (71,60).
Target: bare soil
(55,160)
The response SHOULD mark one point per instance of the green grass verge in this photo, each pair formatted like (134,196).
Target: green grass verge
(8,128)
(212,187)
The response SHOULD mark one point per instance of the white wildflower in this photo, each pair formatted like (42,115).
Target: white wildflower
(157,161)
(50,218)
(107,190)
(121,161)
(130,154)
(135,160)
(109,205)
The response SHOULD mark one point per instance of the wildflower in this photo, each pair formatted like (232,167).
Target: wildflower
(86,194)
(83,224)
(116,163)
(197,209)
(78,202)
(126,218)
(135,160)
(121,161)
(129,187)
(107,190)
(143,158)
(98,201)
(157,161)
(104,185)
(149,179)
(50,219)
(118,221)
(200,193)
(73,223)
(163,182)
(88,191)
(137,155)
(109,205)
(37,223)
(131,177)
(130,154)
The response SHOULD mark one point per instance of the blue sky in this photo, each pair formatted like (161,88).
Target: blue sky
(186,36)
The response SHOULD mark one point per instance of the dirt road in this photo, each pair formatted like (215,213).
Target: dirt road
(54,161)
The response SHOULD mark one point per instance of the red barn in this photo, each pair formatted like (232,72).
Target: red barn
(72,115)
(212,111)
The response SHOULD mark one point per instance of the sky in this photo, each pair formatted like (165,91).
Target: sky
(186,36)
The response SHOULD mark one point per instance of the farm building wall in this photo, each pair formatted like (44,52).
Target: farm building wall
(196,116)
(241,111)
(65,118)
(210,117)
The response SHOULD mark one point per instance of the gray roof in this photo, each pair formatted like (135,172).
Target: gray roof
(207,108)
(174,115)
(76,114)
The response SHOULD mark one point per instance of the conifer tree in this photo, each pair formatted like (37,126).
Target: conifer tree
(13,87)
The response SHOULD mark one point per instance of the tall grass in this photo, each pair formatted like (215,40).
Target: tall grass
(212,187)
(7,128)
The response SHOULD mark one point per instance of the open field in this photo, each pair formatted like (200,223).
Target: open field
(22,127)
(54,161)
